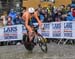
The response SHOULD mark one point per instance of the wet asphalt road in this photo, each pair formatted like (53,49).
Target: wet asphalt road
(54,52)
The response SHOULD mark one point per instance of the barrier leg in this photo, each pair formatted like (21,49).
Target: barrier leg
(65,41)
(60,41)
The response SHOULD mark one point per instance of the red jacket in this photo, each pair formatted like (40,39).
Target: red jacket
(73,12)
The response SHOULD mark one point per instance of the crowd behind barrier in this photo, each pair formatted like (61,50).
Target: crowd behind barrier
(46,15)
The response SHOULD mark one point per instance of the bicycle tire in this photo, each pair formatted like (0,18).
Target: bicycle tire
(42,43)
(29,46)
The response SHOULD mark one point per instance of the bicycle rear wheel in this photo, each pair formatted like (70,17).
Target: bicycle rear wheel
(42,43)
(26,43)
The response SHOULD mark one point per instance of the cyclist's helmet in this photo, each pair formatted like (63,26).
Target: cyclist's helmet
(31,10)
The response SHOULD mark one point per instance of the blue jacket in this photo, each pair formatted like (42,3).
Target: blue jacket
(70,17)
(12,14)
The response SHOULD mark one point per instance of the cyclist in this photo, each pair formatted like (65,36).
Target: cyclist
(27,16)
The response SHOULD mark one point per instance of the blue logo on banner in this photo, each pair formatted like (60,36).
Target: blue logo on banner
(68,29)
(47,26)
(56,25)
(24,29)
(10,29)
(56,29)
(68,25)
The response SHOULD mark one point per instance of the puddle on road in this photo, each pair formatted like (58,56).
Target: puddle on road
(23,55)
(54,52)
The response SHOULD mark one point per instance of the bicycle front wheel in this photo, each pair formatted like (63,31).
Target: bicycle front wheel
(42,43)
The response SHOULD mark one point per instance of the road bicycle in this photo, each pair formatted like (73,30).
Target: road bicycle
(37,39)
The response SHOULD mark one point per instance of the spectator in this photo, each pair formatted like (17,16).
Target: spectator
(58,16)
(46,17)
(63,10)
(23,10)
(50,19)
(50,8)
(73,12)
(3,17)
(41,14)
(9,21)
(71,15)
(12,14)
(18,20)
(68,8)
(1,22)
(39,8)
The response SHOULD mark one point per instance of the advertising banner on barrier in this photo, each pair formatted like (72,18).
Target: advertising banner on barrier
(65,29)
(56,30)
(12,32)
(1,34)
(73,30)
(24,29)
(46,32)
(68,30)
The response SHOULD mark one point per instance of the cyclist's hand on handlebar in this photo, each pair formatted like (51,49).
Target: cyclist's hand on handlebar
(42,28)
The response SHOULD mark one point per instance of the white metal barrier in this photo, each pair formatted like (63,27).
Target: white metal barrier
(60,30)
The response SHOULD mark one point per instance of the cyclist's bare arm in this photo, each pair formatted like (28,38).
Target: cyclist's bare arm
(26,18)
(37,18)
